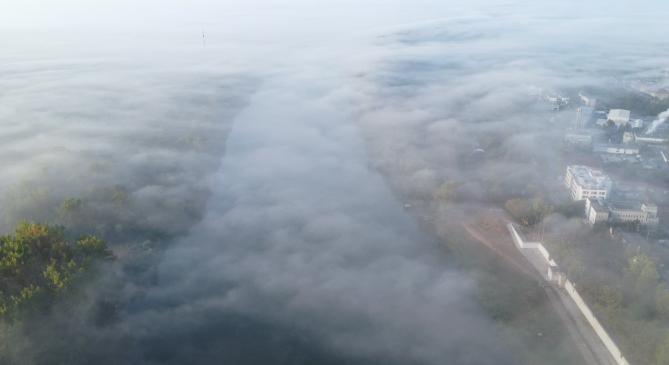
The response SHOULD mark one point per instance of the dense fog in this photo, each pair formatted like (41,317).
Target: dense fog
(254,166)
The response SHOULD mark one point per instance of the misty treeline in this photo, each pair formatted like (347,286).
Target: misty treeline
(86,214)
(455,118)
(623,285)
(453,145)
(462,131)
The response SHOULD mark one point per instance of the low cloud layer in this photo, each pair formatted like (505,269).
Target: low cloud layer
(242,183)
(305,234)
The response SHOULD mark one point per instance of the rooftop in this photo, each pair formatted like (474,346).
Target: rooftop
(619,115)
(590,178)
(625,205)
(598,205)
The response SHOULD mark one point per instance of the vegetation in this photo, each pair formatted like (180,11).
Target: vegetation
(38,262)
(625,290)
(446,192)
(528,211)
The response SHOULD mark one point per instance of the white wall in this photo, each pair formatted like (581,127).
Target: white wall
(573,294)
(594,323)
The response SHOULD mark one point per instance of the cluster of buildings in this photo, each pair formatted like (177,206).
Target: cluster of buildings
(557,102)
(595,187)
(619,139)
(657,88)
(642,213)
(615,137)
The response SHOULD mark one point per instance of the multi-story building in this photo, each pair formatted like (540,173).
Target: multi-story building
(584,182)
(596,212)
(629,212)
(599,211)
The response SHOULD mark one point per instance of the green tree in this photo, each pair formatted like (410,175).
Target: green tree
(446,192)
(37,262)
(662,352)
(662,301)
(70,211)
(641,280)
(528,211)
(642,274)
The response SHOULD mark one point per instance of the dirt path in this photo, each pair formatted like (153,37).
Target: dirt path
(489,229)
(513,260)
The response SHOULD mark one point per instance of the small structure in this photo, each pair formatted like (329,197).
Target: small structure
(616,149)
(558,101)
(628,137)
(612,159)
(578,139)
(555,274)
(584,182)
(636,124)
(583,116)
(587,99)
(649,140)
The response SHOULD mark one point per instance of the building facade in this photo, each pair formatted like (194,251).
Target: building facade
(583,116)
(584,182)
(643,213)
(596,212)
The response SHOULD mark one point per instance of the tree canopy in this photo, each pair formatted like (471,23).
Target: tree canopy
(37,262)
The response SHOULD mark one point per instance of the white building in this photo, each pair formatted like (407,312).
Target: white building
(584,182)
(583,116)
(625,212)
(619,116)
(599,211)
(596,212)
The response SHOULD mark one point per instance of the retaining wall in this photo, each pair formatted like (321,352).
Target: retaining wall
(569,287)
(594,323)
